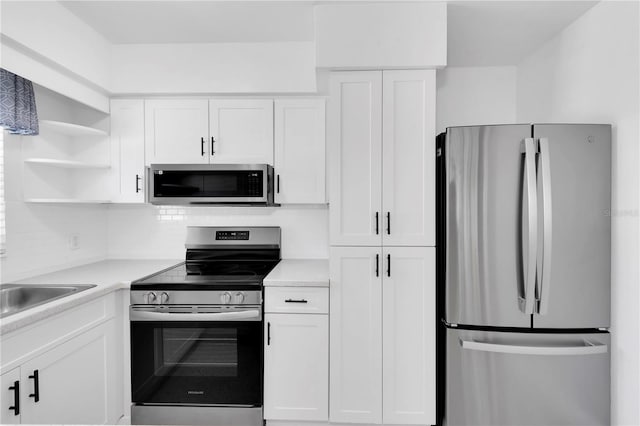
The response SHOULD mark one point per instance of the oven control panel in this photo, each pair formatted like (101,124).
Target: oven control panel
(205,297)
(232,235)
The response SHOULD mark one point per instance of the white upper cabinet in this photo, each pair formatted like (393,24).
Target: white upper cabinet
(177,131)
(408,157)
(381,150)
(355,157)
(241,131)
(408,336)
(300,151)
(127,150)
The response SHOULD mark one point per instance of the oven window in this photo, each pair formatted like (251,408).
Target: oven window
(198,351)
(196,362)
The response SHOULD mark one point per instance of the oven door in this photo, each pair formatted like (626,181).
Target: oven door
(210,183)
(196,355)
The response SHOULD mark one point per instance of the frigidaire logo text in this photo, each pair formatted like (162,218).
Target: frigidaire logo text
(193,392)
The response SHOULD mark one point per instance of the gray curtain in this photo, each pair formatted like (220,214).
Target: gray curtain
(18,113)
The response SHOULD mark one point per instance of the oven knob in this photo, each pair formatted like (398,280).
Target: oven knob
(164,297)
(151,297)
(225,297)
(238,298)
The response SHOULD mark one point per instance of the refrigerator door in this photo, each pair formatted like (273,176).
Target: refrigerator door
(487,200)
(574,278)
(526,379)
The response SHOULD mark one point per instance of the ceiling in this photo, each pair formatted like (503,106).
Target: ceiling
(480,33)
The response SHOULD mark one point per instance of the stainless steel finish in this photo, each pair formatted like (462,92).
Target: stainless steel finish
(579,280)
(195,313)
(267,184)
(517,389)
(204,237)
(196,415)
(16,298)
(484,270)
(225,298)
(544,249)
(529,225)
(196,297)
(584,348)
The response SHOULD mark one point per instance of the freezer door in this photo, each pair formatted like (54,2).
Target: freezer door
(574,279)
(486,203)
(526,379)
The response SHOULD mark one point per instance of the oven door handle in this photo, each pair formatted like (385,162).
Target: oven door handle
(146,315)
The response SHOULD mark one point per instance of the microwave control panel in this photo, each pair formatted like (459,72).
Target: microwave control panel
(232,235)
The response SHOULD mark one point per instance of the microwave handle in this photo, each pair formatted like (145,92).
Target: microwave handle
(144,315)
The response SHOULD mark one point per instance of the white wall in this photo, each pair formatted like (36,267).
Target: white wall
(475,95)
(589,73)
(145,231)
(213,68)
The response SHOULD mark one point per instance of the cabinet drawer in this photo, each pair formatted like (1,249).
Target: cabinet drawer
(303,300)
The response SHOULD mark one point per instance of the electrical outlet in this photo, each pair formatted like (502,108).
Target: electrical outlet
(74,242)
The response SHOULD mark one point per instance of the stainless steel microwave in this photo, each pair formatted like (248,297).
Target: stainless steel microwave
(231,184)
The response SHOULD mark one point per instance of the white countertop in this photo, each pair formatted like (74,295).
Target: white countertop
(299,272)
(107,275)
(111,275)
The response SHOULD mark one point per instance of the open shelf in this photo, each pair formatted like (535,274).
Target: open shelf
(64,201)
(66,164)
(71,129)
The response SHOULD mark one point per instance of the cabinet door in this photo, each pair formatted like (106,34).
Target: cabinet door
(11,395)
(408,335)
(176,131)
(241,131)
(296,367)
(299,151)
(408,141)
(355,158)
(356,335)
(74,385)
(127,150)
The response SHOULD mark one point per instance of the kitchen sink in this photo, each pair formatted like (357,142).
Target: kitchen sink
(16,298)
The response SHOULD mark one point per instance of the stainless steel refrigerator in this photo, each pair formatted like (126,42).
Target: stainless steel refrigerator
(524,260)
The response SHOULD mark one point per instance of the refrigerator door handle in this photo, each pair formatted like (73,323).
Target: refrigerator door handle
(587,348)
(530,191)
(544,261)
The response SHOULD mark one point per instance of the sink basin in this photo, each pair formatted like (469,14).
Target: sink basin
(16,298)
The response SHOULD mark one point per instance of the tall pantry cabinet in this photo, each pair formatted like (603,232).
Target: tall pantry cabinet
(382,231)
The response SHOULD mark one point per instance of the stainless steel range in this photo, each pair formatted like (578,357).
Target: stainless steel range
(196,331)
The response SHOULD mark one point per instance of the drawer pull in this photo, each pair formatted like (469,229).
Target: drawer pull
(295,301)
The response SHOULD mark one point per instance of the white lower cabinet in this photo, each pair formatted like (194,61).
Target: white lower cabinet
(73,381)
(10,397)
(296,367)
(382,333)
(68,368)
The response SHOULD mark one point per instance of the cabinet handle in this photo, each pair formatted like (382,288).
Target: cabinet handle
(388,223)
(295,301)
(377,227)
(278,184)
(377,265)
(268,333)
(202,146)
(388,265)
(138,179)
(36,386)
(16,398)
(212,142)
